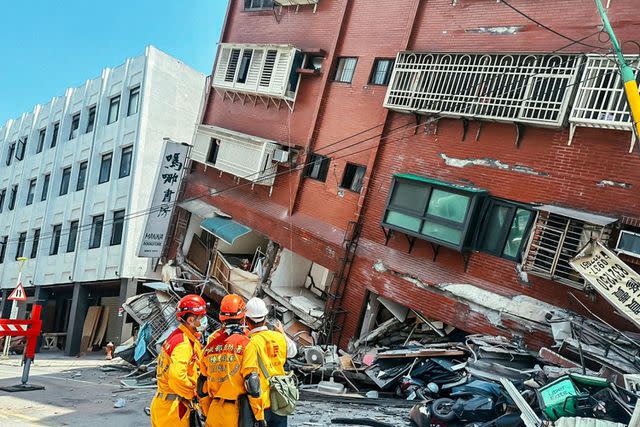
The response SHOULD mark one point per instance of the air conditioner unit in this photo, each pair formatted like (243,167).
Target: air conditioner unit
(629,243)
(281,156)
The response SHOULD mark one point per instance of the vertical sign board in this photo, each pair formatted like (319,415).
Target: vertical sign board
(611,277)
(164,197)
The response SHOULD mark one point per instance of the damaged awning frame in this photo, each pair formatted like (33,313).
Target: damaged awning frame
(224,228)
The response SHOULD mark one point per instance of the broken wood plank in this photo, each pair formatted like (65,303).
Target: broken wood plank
(102,326)
(377,332)
(89,327)
(398,354)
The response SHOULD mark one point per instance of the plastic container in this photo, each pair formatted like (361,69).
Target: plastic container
(330,387)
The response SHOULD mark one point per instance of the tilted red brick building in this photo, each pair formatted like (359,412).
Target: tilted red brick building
(508,146)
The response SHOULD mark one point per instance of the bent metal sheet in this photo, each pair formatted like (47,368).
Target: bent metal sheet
(611,277)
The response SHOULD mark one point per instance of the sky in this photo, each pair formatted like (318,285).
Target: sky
(47,46)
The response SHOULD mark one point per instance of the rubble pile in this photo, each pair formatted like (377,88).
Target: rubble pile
(589,377)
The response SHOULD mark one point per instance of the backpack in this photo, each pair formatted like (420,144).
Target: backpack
(283,391)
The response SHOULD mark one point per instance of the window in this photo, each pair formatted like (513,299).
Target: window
(381,72)
(3,247)
(96,231)
(258,4)
(21,241)
(55,239)
(21,148)
(82,176)
(54,137)
(557,236)
(32,191)
(3,195)
(105,168)
(75,124)
(114,109)
(10,153)
(244,65)
(92,119)
(41,138)
(212,154)
(352,177)
(504,228)
(521,88)
(12,197)
(45,187)
(432,210)
(134,101)
(64,184)
(345,69)
(117,228)
(73,236)
(125,162)
(36,241)
(628,243)
(317,167)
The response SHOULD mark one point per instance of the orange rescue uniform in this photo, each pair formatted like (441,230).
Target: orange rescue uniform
(177,374)
(221,363)
(271,347)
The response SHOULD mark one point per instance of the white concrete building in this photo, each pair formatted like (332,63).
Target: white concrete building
(76,179)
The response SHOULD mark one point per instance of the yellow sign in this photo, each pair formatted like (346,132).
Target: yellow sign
(612,278)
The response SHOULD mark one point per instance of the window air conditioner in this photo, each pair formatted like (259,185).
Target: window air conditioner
(281,156)
(629,243)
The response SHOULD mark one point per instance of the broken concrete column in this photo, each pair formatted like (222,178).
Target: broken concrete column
(269,262)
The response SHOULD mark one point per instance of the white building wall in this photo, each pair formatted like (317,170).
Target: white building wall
(170,101)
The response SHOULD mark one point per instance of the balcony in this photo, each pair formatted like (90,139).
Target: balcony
(514,88)
(245,156)
(258,73)
(600,101)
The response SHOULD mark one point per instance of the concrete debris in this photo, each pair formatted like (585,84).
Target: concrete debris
(120,403)
(490,163)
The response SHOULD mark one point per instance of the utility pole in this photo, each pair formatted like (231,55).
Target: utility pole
(630,85)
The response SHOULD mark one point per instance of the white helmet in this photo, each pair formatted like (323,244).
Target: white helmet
(256,309)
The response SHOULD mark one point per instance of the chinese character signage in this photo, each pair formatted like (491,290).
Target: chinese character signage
(164,198)
(612,278)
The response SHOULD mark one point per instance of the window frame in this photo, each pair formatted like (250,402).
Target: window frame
(32,191)
(91,120)
(117,224)
(42,136)
(82,173)
(22,242)
(34,245)
(21,148)
(355,174)
(387,77)
(101,178)
(213,152)
(54,137)
(72,241)
(3,247)
(64,186)
(466,227)
(97,228)
(10,153)
(75,126)
(45,187)
(323,168)
(3,196)
(55,239)
(337,69)
(13,196)
(482,229)
(113,101)
(255,8)
(133,91)
(129,150)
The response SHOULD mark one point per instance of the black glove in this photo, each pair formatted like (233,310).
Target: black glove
(202,380)
(261,423)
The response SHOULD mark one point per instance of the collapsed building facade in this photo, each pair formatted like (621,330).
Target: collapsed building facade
(356,160)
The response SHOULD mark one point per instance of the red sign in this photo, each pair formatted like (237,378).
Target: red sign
(18,294)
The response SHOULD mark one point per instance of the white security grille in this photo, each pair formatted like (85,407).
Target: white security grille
(556,239)
(525,88)
(600,100)
(245,156)
(259,70)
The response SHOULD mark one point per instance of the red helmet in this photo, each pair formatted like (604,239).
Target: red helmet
(232,307)
(191,304)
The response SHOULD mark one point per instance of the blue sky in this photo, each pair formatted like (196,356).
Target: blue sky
(48,46)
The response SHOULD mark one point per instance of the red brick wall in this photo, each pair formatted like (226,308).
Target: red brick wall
(326,112)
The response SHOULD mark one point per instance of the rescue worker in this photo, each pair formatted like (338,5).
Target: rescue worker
(178,366)
(221,366)
(273,348)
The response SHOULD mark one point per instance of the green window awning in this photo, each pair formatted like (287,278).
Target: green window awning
(224,228)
